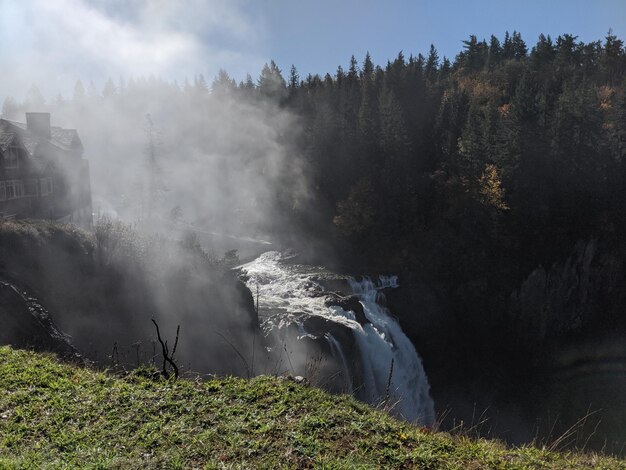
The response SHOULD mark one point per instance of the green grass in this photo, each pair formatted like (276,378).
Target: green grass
(63,416)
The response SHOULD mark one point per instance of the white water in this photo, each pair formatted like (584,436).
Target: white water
(288,294)
(383,341)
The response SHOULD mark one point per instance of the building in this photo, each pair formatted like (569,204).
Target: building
(42,172)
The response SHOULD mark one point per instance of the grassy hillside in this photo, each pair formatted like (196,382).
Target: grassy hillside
(59,415)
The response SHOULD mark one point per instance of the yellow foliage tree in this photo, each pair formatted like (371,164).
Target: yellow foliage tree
(491,191)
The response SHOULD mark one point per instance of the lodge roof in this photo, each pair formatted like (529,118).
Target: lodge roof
(64,139)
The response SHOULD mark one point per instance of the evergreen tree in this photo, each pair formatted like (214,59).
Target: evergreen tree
(446,68)
(109,89)
(543,53)
(79,92)
(567,54)
(34,99)
(271,83)
(294,79)
(200,86)
(92,93)
(10,108)
(474,57)
(613,59)
(223,84)
(518,46)
(340,77)
(432,64)
(367,72)
(508,51)
(495,52)
(353,72)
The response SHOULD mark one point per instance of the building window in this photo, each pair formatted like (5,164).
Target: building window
(14,189)
(10,189)
(19,188)
(11,158)
(3,191)
(46,186)
(30,187)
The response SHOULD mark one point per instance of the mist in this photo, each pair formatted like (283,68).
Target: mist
(183,168)
(220,161)
(202,152)
(53,44)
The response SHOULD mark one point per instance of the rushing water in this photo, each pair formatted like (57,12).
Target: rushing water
(382,342)
(389,368)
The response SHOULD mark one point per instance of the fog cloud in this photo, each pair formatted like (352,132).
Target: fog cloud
(55,43)
(223,161)
(168,151)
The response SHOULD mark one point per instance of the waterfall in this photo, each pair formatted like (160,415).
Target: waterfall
(289,294)
(337,352)
(383,341)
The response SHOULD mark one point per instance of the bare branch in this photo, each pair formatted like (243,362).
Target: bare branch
(167,359)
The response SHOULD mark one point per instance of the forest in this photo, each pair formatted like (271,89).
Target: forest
(493,183)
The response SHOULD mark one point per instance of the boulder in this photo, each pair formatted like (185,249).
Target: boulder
(348,303)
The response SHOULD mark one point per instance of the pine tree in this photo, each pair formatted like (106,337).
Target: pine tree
(566,51)
(446,68)
(249,84)
(271,83)
(495,52)
(223,84)
(474,57)
(543,53)
(340,77)
(367,72)
(294,79)
(109,89)
(432,64)
(519,46)
(9,108)
(199,85)
(613,59)
(353,72)
(79,92)
(92,93)
(508,51)
(34,99)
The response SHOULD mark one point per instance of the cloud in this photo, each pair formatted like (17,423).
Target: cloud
(55,43)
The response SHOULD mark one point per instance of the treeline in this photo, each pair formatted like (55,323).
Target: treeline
(483,167)
(505,148)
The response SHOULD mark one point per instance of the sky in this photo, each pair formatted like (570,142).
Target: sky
(54,43)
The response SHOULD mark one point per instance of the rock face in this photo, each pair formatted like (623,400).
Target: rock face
(348,303)
(27,325)
(564,298)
